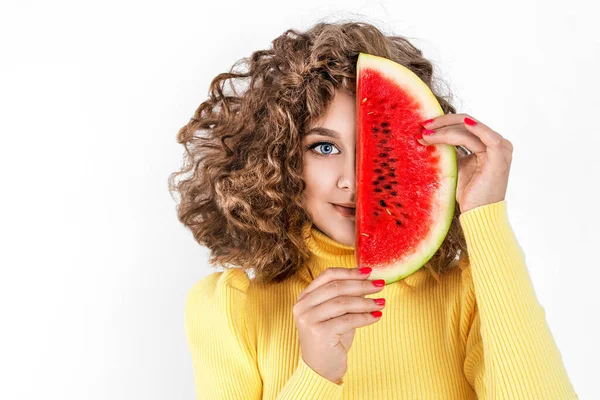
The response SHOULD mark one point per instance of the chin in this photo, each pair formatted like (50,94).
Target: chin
(343,230)
(349,242)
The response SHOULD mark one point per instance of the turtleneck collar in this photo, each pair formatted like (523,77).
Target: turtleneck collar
(326,253)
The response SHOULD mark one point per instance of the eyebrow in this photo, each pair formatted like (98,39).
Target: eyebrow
(324,132)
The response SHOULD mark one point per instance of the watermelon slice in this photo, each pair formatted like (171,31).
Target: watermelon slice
(406,192)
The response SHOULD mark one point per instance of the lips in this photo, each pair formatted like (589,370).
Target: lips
(345,211)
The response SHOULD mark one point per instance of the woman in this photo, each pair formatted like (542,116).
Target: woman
(264,196)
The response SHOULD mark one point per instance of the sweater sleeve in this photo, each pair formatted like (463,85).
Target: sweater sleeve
(306,384)
(223,359)
(510,351)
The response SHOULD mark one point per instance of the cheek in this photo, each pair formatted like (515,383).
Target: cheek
(320,180)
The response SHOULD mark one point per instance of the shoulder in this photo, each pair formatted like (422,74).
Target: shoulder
(215,290)
(216,303)
(218,284)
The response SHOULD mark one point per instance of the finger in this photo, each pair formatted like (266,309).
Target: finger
(347,322)
(331,274)
(339,306)
(493,141)
(445,120)
(487,136)
(498,149)
(456,135)
(337,288)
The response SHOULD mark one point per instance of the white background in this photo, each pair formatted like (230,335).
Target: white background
(95,265)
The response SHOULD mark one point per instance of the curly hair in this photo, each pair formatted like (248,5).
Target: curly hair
(242,185)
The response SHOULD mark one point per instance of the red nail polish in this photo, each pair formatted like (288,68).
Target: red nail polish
(428,132)
(380,301)
(376,314)
(469,121)
(379,282)
(365,270)
(427,122)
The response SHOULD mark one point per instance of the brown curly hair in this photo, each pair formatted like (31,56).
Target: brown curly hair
(242,192)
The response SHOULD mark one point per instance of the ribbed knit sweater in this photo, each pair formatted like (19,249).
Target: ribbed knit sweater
(476,331)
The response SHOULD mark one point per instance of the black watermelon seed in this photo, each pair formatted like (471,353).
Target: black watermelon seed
(383,155)
(398,222)
(386,131)
(392,174)
(378,171)
(393,160)
(384,141)
(384,124)
(377,190)
(384,164)
(382,203)
(387,187)
(380,178)
(376,213)
(393,193)
(376,183)
(399,205)
(375,129)
(388,149)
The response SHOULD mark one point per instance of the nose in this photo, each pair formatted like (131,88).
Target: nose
(347,180)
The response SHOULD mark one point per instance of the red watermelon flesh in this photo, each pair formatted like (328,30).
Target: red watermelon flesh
(405,191)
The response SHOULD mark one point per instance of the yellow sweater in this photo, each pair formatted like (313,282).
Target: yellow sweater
(477,331)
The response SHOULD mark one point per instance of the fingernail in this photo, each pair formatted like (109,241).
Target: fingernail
(428,132)
(379,282)
(380,301)
(427,122)
(469,121)
(377,314)
(365,270)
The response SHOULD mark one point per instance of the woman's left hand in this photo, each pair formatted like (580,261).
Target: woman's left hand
(483,175)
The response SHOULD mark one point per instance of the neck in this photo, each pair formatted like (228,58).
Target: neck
(327,253)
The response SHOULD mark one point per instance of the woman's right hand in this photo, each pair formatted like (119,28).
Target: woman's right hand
(327,313)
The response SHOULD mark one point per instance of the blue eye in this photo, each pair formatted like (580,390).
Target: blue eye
(325,144)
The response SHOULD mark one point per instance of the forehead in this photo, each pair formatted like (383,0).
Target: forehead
(339,119)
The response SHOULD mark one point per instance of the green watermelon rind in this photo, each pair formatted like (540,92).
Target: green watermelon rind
(412,84)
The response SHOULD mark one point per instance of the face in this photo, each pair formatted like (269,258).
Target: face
(330,168)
